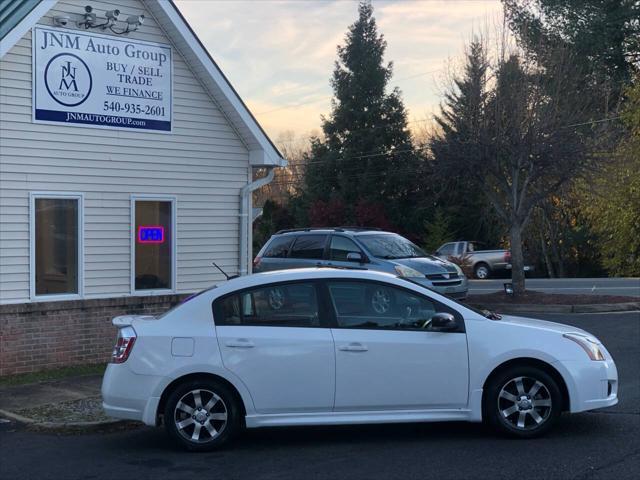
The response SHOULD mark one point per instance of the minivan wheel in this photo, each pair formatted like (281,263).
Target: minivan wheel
(202,415)
(523,402)
(482,271)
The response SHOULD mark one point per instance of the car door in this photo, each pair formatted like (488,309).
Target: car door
(308,251)
(339,247)
(276,340)
(386,357)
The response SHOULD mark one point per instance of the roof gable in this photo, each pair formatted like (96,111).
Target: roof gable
(21,15)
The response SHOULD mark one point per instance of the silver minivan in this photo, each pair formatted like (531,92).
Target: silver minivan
(369,249)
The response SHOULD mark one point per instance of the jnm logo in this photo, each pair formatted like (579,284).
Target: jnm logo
(68,79)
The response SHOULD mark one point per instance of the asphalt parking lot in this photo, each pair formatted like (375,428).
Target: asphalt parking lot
(601,444)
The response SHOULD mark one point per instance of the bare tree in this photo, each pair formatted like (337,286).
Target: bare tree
(525,139)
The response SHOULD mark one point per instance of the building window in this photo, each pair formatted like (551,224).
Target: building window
(56,244)
(153,240)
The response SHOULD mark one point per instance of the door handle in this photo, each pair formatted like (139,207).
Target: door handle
(240,343)
(353,347)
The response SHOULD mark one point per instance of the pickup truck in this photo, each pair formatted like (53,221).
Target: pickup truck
(481,262)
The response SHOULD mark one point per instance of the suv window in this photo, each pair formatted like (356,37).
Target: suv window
(340,247)
(378,306)
(447,249)
(309,246)
(283,305)
(279,247)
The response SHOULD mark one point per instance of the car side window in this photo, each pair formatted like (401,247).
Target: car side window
(279,247)
(446,249)
(309,246)
(379,306)
(282,305)
(340,247)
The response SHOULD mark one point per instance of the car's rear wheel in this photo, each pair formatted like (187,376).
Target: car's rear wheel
(523,402)
(482,271)
(202,415)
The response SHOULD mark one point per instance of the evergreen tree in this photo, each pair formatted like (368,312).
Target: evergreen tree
(366,156)
(462,120)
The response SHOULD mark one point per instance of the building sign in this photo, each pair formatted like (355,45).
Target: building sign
(100,80)
(150,234)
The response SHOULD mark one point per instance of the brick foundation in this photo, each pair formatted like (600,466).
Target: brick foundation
(45,335)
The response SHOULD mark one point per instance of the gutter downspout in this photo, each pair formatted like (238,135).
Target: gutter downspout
(245,221)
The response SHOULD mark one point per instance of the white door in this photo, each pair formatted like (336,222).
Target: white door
(272,338)
(387,358)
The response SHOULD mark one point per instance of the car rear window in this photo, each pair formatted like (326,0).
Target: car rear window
(279,247)
(309,246)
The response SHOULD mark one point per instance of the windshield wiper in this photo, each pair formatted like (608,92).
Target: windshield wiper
(491,315)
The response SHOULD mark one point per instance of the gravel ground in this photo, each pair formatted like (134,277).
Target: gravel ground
(84,410)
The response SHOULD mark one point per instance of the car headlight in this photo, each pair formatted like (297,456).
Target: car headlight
(588,344)
(459,270)
(405,271)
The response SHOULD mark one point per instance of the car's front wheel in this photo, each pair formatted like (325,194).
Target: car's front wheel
(523,402)
(202,415)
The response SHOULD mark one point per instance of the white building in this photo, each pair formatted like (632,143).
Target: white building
(126,162)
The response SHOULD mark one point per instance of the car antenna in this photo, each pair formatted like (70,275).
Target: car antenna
(229,277)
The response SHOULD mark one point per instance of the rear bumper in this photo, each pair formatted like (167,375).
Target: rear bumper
(129,396)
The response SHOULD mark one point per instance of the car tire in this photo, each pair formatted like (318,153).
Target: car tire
(482,271)
(218,420)
(522,402)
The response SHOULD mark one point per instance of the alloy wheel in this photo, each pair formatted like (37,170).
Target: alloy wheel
(482,272)
(524,403)
(200,416)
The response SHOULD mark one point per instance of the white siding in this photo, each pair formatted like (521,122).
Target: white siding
(203,163)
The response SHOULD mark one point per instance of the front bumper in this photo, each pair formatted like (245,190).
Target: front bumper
(129,396)
(594,384)
(456,289)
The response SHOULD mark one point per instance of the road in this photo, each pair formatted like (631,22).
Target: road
(596,286)
(599,445)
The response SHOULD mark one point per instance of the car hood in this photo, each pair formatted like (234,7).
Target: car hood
(541,325)
(427,265)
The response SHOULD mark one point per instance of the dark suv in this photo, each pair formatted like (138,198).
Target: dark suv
(351,247)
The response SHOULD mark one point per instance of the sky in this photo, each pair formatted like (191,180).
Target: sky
(279,54)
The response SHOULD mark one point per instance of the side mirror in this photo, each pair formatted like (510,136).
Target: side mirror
(443,322)
(355,257)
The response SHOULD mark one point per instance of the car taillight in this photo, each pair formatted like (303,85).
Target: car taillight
(256,261)
(507,256)
(124,343)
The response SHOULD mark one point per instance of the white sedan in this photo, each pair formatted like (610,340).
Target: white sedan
(328,347)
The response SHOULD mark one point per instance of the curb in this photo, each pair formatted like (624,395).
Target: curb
(535,308)
(76,426)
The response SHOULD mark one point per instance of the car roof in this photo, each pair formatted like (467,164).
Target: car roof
(258,279)
(327,230)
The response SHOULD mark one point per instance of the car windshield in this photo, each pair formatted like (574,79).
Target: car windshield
(391,246)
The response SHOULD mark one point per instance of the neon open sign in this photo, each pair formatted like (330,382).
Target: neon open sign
(150,234)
